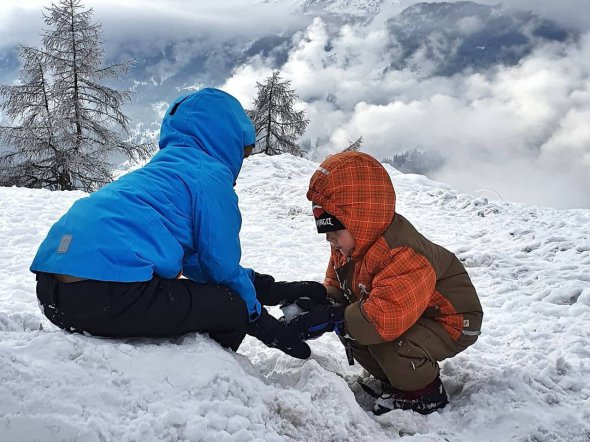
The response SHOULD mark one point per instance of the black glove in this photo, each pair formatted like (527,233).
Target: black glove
(275,334)
(320,319)
(270,292)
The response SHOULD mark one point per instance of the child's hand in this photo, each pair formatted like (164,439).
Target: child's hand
(298,307)
(319,320)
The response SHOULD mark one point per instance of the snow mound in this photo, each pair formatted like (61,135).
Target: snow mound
(526,378)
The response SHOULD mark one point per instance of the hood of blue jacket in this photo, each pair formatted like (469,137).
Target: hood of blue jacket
(211,121)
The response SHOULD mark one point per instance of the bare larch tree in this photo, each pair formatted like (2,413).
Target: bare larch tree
(34,139)
(354,146)
(68,125)
(278,125)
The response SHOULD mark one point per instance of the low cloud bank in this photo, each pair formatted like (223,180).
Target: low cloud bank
(520,130)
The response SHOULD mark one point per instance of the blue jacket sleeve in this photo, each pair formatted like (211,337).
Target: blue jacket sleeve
(217,223)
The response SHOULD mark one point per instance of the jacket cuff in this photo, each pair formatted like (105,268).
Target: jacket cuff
(254,315)
(359,327)
(251,273)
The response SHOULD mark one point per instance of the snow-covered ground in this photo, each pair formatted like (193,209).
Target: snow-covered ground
(526,379)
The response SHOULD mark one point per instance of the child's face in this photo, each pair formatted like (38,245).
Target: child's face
(342,241)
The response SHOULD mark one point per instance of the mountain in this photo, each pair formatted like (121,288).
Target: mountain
(359,9)
(428,38)
(498,93)
(349,8)
(450,37)
(526,379)
(466,35)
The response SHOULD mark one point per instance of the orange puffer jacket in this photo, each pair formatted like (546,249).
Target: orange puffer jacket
(396,274)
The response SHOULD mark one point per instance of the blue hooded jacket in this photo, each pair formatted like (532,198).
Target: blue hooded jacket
(178,213)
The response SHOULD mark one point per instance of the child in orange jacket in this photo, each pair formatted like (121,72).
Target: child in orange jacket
(401,302)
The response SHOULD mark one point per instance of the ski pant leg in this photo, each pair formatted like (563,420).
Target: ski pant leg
(409,362)
(363,356)
(155,308)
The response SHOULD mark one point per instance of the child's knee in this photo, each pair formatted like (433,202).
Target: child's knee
(406,365)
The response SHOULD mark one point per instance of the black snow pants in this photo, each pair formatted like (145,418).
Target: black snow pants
(157,308)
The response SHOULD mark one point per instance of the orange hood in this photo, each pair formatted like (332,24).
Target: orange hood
(356,189)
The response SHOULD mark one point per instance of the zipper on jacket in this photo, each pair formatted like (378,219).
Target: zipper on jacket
(346,339)
(364,292)
(346,291)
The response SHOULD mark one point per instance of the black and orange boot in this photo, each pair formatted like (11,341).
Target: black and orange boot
(424,401)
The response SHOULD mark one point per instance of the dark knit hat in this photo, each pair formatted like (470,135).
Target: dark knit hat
(325,222)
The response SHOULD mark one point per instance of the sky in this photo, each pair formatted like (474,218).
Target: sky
(151,21)
(519,132)
(525,379)
(154,19)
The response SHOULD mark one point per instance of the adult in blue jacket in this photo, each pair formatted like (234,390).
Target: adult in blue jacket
(157,252)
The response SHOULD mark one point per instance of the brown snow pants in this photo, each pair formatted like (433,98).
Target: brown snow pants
(410,362)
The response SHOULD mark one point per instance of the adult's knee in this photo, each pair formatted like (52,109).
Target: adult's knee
(235,310)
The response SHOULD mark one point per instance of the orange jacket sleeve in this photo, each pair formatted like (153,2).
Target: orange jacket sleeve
(400,293)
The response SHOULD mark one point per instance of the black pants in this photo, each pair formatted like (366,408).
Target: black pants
(156,308)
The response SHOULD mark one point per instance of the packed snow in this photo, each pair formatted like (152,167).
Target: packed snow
(526,379)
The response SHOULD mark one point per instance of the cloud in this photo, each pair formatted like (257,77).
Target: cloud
(17,21)
(520,130)
(152,24)
(176,43)
(242,84)
(570,13)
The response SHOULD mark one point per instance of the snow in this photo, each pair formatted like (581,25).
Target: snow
(526,379)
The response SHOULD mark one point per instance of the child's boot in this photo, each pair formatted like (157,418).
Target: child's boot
(424,401)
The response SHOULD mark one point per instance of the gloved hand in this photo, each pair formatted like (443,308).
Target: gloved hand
(270,292)
(275,334)
(298,307)
(320,319)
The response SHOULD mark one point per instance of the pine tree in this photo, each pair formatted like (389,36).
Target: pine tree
(69,125)
(354,146)
(278,125)
(416,161)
